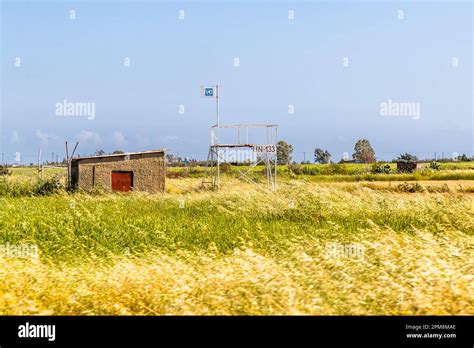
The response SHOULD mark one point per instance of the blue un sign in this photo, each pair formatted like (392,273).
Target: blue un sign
(208,92)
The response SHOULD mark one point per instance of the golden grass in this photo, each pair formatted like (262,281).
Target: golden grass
(263,253)
(393,278)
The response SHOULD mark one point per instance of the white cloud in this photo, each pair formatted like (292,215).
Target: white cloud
(86,136)
(44,137)
(15,138)
(119,139)
(169,138)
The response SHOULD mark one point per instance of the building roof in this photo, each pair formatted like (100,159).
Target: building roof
(149,152)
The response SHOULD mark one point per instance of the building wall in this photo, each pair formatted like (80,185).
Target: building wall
(410,166)
(148,173)
(420,166)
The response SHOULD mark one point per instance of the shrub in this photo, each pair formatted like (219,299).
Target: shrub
(380,169)
(22,189)
(96,190)
(225,167)
(15,189)
(410,187)
(338,169)
(194,170)
(435,166)
(310,170)
(177,174)
(295,169)
(4,170)
(438,189)
(48,186)
(469,189)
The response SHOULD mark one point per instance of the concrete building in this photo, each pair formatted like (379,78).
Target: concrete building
(141,171)
(409,166)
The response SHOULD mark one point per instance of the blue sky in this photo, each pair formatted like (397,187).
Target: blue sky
(283,63)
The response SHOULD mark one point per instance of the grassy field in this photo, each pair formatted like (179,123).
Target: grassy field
(335,248)
(350,168)
(351,172)
(339,172)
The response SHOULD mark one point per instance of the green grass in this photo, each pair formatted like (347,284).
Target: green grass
(315,172)
(243,251)
(341,172)
(104,226)
(32,172)
(423,176)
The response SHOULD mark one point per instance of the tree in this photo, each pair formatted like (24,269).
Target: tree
(407,157)
(363,152)
(99,152)
(321,156)
(284,152)
(117,152)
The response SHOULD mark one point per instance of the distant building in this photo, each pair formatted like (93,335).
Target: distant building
(409,166)
(141,171)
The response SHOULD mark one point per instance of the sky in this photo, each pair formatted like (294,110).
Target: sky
(325,72)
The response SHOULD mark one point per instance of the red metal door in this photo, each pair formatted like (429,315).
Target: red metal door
(122,181)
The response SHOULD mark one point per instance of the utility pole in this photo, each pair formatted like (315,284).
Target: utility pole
(39,159)
(304,157)
(208,92)
(218,141)
(67,163)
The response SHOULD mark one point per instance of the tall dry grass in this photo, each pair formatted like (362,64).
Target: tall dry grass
(244,251)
